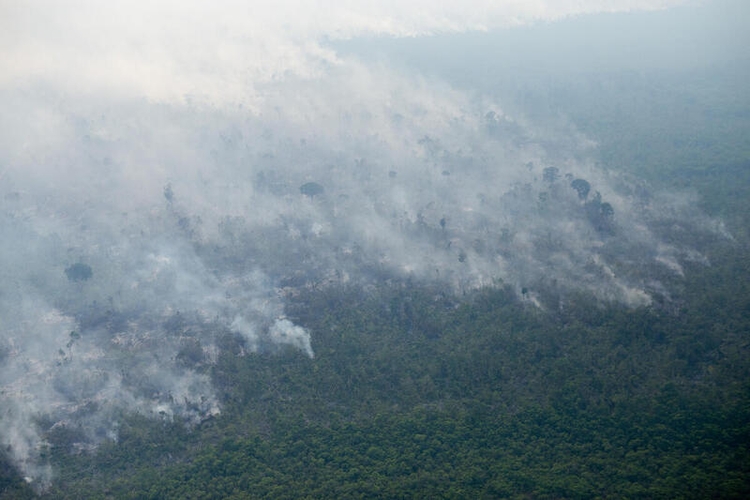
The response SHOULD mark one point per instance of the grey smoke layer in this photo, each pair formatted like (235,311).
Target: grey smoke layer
(136,233)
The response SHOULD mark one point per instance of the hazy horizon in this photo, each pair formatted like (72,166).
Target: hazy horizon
(200,163)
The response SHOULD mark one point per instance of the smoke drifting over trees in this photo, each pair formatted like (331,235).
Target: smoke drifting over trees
(147,220)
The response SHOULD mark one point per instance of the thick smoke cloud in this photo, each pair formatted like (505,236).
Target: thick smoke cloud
(226,51)
(156,203)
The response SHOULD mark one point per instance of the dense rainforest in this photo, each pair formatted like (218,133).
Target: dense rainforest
(413,393)
(418,392)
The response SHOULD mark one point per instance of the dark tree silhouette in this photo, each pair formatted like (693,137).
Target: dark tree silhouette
(600,214)
(551,174)
(79,272)
(168,193)
(582,187)
(311,189)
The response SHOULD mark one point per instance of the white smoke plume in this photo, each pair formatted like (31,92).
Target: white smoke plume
(169,171)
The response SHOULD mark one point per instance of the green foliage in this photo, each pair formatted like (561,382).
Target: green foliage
(415,394)
(12,487)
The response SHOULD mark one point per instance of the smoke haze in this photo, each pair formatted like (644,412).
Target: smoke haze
(169,173)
